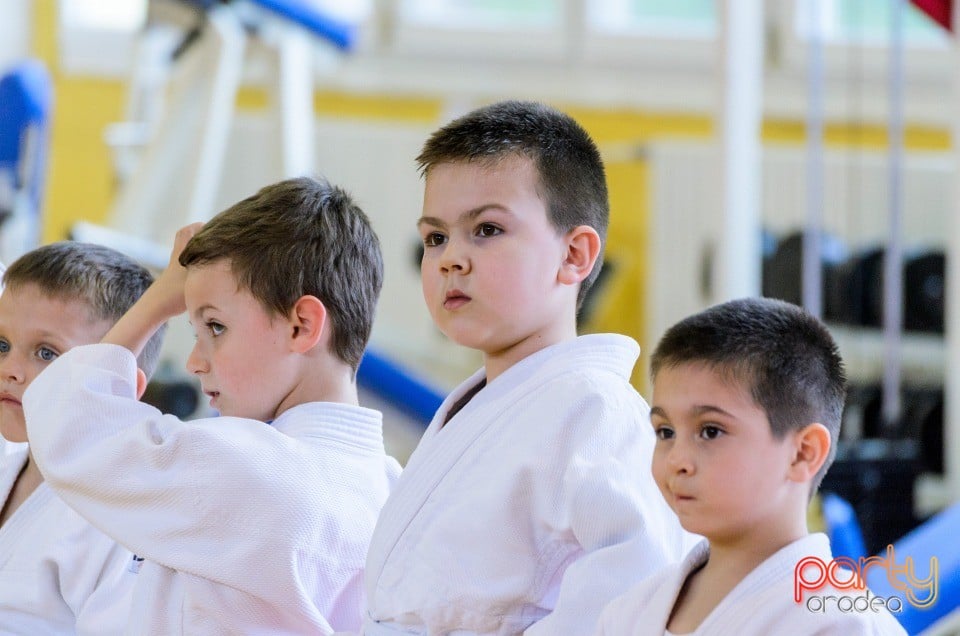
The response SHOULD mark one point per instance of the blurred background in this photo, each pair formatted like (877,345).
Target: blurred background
(800,149)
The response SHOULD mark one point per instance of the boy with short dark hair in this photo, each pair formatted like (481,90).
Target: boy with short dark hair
(256,521)
(747,400)
(58,573)
(528,503)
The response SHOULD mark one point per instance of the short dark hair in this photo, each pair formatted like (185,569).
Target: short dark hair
(108,282)
(784,355)
(301,237)
(567,161)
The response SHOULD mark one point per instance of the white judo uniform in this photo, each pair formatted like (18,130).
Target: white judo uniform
(760,605)
(535,502)
(58,574)
(244,527)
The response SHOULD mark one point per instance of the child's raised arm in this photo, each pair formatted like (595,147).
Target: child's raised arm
(162,300)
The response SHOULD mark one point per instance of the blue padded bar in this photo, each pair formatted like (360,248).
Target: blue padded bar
(341,33)
(26,98)
(398,386)
(935,538)
(846,538)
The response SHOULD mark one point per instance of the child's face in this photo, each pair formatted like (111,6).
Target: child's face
(491,257)
(240,356)
(34,330)
(716,460)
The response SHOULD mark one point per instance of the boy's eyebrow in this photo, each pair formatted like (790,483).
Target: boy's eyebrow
(708,408)
(202,308)
(466,216)
(696,410)
(47,335)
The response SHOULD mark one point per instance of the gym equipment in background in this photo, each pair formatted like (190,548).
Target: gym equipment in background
(26,102)
(840,521)
(853,282)
(877,477)
(169,391)
(924,290)
(400,387)
(783,268)
(854,294)
(922,420)
(935,539)
(182,100)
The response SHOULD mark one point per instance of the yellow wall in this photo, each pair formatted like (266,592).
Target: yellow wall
(80,178)
(80,173)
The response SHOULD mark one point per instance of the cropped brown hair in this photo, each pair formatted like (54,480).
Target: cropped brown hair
(301,237)
(781,354)
(566,160)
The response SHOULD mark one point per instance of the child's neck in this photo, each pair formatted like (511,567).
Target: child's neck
(324,382)
(495,363)
(337,384)
(738,556)
(728,564)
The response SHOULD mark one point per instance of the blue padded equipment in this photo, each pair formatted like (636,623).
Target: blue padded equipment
(26,100)
(320,23)
(840,519)
(939,538)
(398,386)
(313,19)
(304,14)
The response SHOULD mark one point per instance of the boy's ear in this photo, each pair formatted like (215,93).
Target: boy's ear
(811,449)
(307,320)
(141,382)
(583,249)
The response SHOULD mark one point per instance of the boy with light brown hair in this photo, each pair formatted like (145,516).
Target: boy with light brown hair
(256,521)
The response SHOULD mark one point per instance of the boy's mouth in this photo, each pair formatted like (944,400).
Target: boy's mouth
(455,299)
(9,399)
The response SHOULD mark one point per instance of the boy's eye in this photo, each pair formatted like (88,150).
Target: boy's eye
(710,432)
(488,229)
(433,239)
(4,346)
(47,354)
(663,432)
(215,328)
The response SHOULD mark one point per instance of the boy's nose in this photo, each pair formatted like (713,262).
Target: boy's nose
(454,259)
(196,363)
(11,370)
(680,459)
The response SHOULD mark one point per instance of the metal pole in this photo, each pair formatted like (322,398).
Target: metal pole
(892,265)
(738,273)
(951,380)
(812,276)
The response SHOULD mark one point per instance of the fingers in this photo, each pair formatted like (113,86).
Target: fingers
(181,239)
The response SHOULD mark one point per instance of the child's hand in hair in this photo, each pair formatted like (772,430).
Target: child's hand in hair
(169,285)
(162,300)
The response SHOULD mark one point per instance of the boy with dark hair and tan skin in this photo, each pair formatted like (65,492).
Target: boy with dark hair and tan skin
(747,399)
(528,503)
(257,521)
(58,573)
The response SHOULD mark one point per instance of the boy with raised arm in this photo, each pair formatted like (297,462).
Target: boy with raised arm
(58,573)
(257,521)
(747,399)
(528,503)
